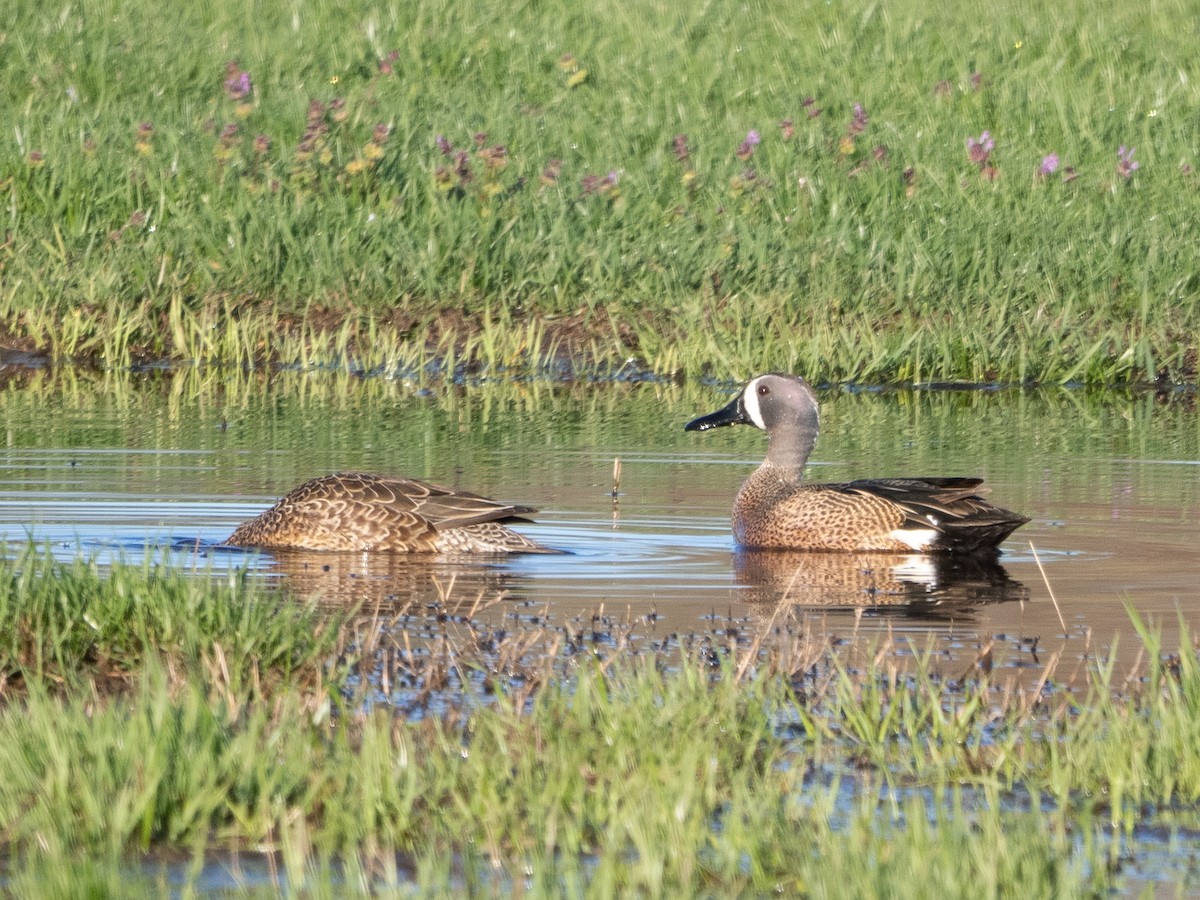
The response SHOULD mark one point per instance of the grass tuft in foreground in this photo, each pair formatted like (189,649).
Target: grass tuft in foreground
(67,626)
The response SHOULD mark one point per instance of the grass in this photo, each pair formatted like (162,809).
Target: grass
(773,764)
(71,627)
(438,182)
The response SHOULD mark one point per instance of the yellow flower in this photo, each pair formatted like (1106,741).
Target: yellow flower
(355,166)
(334,79)
(577,78)
(373,151)
(846,146)
(326,157)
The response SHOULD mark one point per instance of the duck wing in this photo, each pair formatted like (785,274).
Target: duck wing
(445,508)
(954,507)
(410,499)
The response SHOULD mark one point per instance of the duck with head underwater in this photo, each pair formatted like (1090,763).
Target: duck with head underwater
(776,509)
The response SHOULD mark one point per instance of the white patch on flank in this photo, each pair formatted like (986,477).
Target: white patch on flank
(917,538)
(750,402)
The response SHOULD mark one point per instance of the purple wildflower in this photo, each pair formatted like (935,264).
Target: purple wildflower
(1049,164)
(1126,165)
(443,145)
(979,150)
(858,124)
(681,147)
(746,149)
(595,184)
(462,167)
(237,82)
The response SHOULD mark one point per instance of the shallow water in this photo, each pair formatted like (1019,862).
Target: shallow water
(169,463)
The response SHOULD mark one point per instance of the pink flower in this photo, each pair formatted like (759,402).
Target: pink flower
(979,150)
(746,149)
(237,82)
(1125,162)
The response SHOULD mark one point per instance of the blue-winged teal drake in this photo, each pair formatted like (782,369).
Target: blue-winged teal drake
(776,509)
(353,511)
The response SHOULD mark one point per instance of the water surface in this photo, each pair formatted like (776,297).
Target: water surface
(168,463)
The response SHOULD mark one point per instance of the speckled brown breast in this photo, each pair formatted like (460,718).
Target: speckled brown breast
(355,511)
(769,513)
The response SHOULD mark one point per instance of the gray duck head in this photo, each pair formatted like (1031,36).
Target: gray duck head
(783,406)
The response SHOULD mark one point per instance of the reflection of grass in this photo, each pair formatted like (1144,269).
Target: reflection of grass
(549,755)
(844,192)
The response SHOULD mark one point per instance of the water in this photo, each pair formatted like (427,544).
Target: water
(167,463)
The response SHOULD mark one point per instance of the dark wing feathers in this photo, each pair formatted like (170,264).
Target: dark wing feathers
(954,506)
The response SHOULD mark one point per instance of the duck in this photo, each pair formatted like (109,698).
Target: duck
(360,511)
(777,509)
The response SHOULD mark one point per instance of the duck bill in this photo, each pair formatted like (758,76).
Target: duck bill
(732,414)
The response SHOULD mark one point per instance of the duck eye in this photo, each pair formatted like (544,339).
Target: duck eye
(763,390)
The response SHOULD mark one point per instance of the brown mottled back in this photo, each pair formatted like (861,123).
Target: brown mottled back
(355,511)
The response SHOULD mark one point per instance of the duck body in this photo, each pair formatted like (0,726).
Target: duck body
(776,509)
(358,511)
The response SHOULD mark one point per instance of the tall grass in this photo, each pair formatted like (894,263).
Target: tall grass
(728,190)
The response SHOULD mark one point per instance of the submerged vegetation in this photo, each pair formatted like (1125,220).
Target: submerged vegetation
(857,193)
(586,756)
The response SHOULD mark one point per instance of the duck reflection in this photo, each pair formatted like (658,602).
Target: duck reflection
(395,582)
(922,585)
